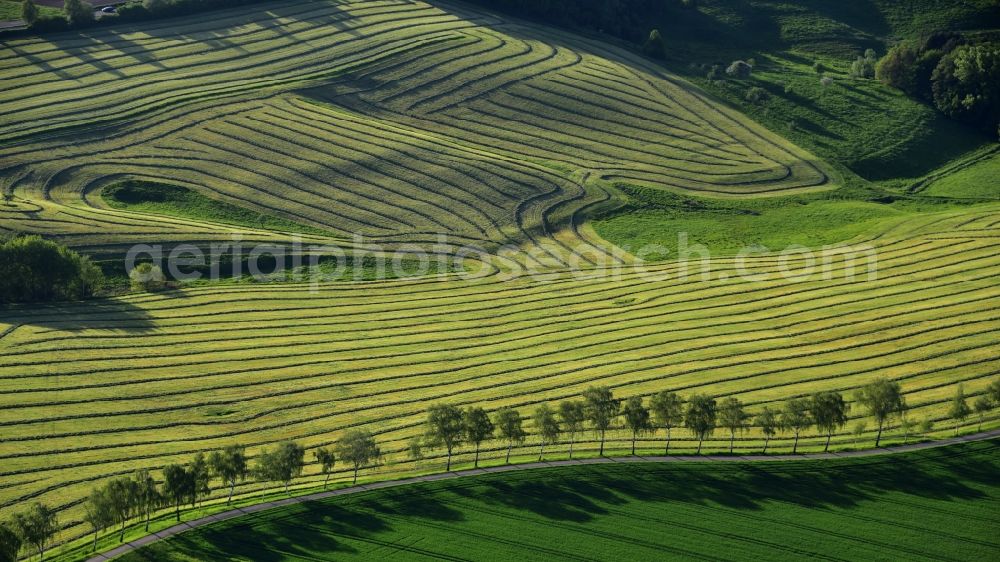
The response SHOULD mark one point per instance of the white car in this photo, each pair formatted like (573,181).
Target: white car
(109,10)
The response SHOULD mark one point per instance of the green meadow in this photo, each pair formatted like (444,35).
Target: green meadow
(931,505)
(551,154)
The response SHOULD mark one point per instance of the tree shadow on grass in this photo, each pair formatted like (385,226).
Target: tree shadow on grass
(574,499)
(407,503)
(312,530)
(863,90)
(382,521)
(816,129)
(862,15)
(115,315)
(304,530)
(582,494)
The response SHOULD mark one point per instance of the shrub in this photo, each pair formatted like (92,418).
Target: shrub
(133,11)
(147,277)
(46,24)
(864,67)
(78,13)
(156,7)
(923,72)
(819,68)
(29,12)
(415,449)
(966,84)
(715,73)
(826,81)
(909,66)
(33,269)
(944,41)
(757,95)
(654,46)
(896,68)
(739,70)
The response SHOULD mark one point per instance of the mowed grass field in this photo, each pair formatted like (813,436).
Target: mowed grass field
(402,122)
(394,120)
(925,506)
(92,390)
(868,128)
(980,178)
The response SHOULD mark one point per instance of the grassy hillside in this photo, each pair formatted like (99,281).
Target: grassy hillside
(402,123)
(145,197)
(980,179)
(103,388)
(933,505)
(652,216)
(840,29)
(407,122)
(860,125)
(871,129)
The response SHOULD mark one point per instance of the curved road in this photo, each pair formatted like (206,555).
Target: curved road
(239,511)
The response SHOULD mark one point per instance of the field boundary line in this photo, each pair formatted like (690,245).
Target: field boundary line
(951,169)
(9,330)
(263,506)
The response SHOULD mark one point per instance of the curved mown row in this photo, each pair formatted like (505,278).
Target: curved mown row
(94,390)
(395,120)
(402,122)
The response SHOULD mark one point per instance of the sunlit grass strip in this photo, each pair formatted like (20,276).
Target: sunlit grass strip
(930,297)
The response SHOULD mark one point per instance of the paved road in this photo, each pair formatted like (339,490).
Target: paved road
(237,512)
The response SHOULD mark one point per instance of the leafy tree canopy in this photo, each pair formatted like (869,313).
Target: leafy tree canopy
(33,269)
